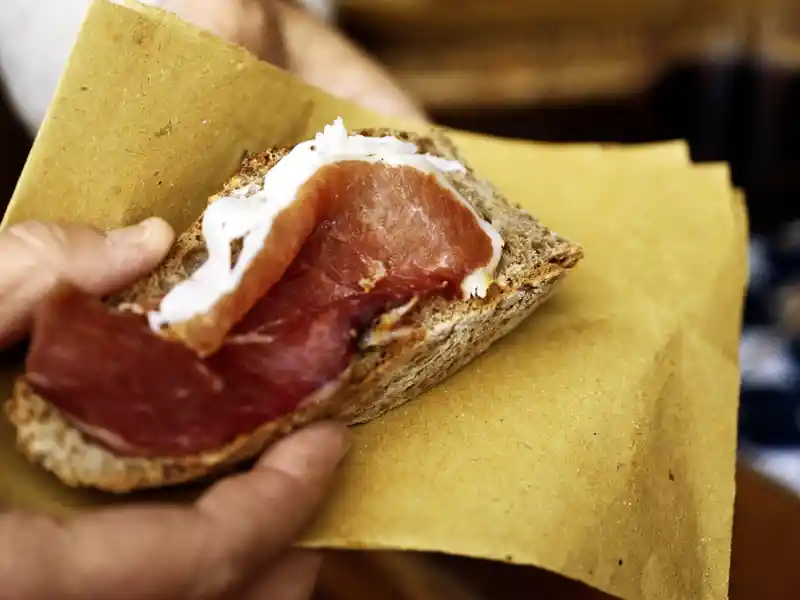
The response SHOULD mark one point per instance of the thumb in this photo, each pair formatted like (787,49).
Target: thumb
(36,256)
(232,539)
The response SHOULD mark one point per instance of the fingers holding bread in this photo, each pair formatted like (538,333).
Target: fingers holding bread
(324,343)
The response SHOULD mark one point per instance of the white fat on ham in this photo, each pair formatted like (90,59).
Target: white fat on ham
(248,215)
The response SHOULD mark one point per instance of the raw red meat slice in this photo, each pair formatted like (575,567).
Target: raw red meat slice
(389,234)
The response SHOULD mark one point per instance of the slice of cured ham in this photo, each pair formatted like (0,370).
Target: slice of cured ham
(271,225)
(388,233)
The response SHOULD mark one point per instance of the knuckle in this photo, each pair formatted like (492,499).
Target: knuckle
(44,241)
(242,496)
(36,232)
(37,246)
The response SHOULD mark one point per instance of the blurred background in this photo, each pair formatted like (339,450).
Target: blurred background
(722,74)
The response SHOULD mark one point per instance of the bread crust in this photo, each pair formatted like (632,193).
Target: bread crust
(444,336)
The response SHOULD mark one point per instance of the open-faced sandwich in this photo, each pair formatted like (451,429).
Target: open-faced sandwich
(336,279)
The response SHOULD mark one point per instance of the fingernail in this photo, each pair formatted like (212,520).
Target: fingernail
(152,231)
(310,453)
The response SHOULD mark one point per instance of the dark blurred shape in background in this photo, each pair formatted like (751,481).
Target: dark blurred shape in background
(720,73)
(15,143)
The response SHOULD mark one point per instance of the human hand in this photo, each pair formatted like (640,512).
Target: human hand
(283,34)
(234,542)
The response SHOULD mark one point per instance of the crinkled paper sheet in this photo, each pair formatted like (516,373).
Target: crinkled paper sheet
(597,440)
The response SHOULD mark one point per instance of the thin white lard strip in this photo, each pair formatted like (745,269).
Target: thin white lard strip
(250,217)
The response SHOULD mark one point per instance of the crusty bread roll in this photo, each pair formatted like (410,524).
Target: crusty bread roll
(447,335)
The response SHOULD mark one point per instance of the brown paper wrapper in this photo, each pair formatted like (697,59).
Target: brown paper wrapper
(596,441)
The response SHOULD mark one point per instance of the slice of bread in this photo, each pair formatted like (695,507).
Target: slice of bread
(446,336)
